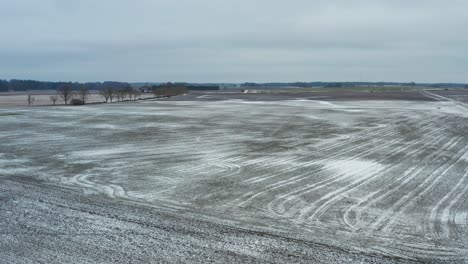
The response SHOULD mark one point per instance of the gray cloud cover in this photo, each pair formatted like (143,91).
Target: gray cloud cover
(234,41)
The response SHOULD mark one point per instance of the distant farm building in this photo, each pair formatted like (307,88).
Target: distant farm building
(145,89)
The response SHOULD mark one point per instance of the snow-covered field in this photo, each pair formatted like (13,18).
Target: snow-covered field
(384,177)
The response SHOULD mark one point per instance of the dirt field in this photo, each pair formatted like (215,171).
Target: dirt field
(274,95)
(380,177)
(459,95)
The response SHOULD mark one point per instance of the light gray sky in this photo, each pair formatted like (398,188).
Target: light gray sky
(234,41)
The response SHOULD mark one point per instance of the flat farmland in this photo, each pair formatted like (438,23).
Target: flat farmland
(460,95)
(41,98)
(379,177)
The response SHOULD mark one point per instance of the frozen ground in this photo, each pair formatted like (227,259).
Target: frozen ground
(41,223)
(378,177)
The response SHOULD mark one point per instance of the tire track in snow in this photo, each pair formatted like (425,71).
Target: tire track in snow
(360,136)
(305,176)
(384,223)
(399,182)
(288,197)
(337,195)
(376,196)
(439,215)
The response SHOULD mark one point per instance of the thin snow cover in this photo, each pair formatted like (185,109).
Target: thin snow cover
(352,167)
(329,104)
(319,171)
(353,110)
(14,171)
(101,151)
(18,166)
(105,126)
(12,165)
(242,101)
(204,96)
(452,108)
(236,101)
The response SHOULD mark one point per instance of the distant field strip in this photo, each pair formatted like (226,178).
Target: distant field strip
(378,176)
(442,98)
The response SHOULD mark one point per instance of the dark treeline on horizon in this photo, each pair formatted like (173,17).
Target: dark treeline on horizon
(169,89)
(25,85)
(28,85)
(349,84)
(187,86)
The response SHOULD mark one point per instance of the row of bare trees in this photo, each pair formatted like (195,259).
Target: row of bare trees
(109,94)
(67,94)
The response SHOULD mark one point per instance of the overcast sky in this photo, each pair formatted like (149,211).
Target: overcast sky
(234,41)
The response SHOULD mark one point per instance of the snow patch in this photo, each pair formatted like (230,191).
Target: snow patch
(352,167)
(100,152)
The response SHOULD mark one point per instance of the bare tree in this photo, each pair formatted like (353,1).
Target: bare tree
(120,94)
(128,91)
(83,93)
(129,94)
(104,92)
(111,94)
(107,93)
(132,92)
(53,99)
(30,100)
(65,92)
(157,92)
(125,93)
(136,94)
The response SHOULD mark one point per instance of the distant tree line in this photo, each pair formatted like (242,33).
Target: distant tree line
(79,96)
(119,94)
(25,85)
(169,89)
(202,87)
(348,84)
